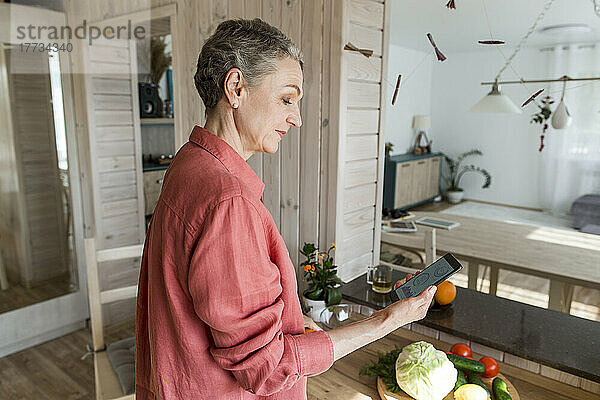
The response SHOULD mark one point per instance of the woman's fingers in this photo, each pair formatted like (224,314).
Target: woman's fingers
(426,296)
(310,325)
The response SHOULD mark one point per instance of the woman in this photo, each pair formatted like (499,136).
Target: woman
(218,313)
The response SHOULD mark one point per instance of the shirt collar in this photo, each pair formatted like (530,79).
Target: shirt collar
(230,158)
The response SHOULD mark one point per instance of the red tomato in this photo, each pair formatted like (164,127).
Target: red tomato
(491,367)
(461,349)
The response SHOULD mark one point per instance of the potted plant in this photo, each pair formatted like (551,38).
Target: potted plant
(389,147)
(159,63)
(454,192)
(323,282)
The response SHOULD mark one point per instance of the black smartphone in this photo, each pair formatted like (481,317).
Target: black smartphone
(436,273)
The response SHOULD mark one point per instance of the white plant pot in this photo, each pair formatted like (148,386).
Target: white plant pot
(313,308)
(561,118)
(454,196)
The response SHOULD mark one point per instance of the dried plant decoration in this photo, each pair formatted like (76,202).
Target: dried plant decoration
(159,60)
(542,116)
(533,96)
(491,42)
(438,53)
(396,90)
(365,52)
(451,5)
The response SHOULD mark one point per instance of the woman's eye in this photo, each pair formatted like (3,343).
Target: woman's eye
(287,101)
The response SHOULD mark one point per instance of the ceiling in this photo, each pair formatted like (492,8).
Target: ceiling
(459,30)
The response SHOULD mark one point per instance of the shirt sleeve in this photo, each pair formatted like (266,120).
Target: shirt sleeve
(235,289)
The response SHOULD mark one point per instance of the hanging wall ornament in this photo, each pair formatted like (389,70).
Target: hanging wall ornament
(561,118)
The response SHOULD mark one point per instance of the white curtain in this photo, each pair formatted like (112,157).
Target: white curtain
(570,161)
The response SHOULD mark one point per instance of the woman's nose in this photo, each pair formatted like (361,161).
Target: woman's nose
(294,119)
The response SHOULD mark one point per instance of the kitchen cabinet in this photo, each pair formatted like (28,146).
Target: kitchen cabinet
(410,180)
(152,184)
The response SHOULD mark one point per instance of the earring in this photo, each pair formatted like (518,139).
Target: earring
(235,105)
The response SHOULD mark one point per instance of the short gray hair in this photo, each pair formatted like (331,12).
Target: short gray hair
(253,46)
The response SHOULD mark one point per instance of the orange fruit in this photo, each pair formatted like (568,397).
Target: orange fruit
(446,292)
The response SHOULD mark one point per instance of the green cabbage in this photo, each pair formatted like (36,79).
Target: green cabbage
(424,372)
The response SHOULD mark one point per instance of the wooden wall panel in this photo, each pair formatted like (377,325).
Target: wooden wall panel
(359,196)
(358,221)
(310,133)
(361,147)
(360,138)
(359,173)
(366,38)
(291,19)
(271,168)
(363,121)
(363,68)
(356,246)
(382,118)
(367,13)
(363,95)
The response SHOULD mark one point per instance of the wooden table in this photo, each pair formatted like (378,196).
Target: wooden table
(343,382)
(565,258)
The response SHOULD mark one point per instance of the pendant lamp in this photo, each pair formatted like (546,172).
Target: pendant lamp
(496,102)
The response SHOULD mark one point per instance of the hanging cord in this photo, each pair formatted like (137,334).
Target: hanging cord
(524,39)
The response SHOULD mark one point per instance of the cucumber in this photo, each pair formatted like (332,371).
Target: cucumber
(465,364)
(461,379)
(500,390)
(472,378)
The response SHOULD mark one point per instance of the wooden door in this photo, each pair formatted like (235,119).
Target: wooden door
(115,160)
(404,186)
(420,183)
(434,177)
(43,253)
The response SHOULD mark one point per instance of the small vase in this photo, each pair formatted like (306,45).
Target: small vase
(455,196)
(313,308)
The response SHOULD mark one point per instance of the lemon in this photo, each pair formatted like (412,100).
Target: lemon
(470,392)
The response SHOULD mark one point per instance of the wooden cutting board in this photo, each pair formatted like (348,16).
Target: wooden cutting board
(386,395)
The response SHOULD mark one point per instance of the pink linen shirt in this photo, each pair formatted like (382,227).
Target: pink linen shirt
(218,314)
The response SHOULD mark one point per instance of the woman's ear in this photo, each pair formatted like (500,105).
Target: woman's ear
(233,86)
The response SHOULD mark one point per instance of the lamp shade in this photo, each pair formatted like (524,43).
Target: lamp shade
(421,122)
(496,102)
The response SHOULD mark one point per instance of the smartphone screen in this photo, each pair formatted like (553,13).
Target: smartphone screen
(434,274)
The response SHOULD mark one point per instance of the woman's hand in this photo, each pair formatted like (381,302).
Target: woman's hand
(409,310)
(408,276)
(310,324)
(353,336)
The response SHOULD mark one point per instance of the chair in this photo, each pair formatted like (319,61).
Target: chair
(113,364)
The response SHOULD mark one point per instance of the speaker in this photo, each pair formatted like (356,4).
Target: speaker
(148,94)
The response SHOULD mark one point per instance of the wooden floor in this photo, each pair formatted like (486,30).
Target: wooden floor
(512,285)
(54,370)
(17,296)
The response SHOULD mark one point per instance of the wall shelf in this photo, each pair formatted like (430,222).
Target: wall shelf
(156,121)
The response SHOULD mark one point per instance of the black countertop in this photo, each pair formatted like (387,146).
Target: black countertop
(548,337)
(148,166)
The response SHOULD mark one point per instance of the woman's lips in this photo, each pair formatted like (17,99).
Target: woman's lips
(281,133)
